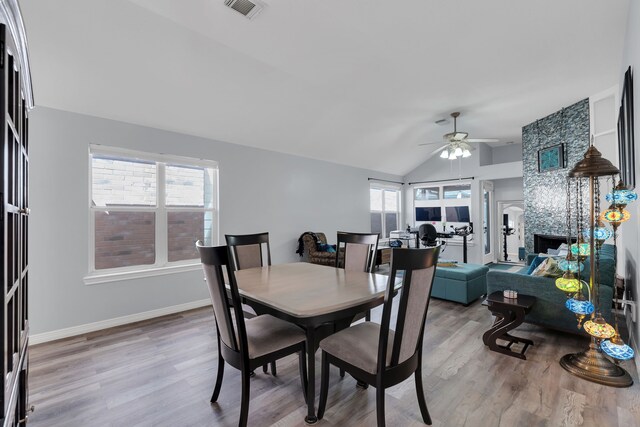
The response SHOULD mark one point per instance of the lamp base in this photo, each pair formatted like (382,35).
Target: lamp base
(592,365)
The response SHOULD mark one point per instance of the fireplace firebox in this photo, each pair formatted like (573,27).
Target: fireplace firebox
(543,242)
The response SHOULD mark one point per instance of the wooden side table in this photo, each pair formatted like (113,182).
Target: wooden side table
(509,314)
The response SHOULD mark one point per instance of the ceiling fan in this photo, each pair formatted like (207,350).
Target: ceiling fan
(457,143)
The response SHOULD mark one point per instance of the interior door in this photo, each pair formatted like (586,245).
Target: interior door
(14,216)
(488,243)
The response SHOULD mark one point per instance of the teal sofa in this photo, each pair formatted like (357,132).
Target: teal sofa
(549,309)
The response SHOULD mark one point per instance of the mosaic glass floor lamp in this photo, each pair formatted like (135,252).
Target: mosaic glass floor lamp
(593,364)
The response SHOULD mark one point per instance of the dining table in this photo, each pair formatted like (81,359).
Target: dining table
(320,299)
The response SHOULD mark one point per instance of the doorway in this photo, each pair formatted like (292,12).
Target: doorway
(488,253)
(510,232)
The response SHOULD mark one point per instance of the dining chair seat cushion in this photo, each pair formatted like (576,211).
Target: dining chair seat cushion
(266,334)
(358,346)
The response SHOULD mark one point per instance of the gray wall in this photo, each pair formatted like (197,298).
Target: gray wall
(508,189)
(630,230)
(259,191)
(545,198)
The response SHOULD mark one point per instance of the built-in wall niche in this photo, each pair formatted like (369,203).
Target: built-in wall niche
(502,152)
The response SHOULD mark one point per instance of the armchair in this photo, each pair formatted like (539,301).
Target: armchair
(314,255)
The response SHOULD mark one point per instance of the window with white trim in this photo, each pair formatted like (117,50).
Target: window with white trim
(147,210)
(385,209)
(444,206)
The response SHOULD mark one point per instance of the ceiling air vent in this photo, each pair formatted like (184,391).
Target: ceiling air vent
(248,8)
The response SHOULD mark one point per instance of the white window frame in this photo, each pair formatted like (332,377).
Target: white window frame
(443,203)
(162,265)
(384,187)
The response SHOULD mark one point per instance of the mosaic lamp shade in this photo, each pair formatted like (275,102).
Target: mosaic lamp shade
(568,283)
(570,265)
(617,349)
(600,232)
(599,328)
(580,249)
(621,196)
(615,216)
(580,306)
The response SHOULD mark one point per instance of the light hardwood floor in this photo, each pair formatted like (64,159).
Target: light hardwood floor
(161,372)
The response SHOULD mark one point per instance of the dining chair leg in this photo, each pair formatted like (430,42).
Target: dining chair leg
(367,316)
(420,392)
(341,373)
(265,368)
(244,402)
(380,405)
(302,364)
(273,369)
(220,374)
(361,384)
(324,385)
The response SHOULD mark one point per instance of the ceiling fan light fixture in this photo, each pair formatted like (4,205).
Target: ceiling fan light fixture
(458,151)
(452,156)
(444,154)
(466,153)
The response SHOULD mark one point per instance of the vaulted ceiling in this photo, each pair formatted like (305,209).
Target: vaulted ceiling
(355,82)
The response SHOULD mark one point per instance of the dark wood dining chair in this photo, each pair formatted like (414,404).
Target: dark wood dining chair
(359,254)
(377,355)
(249,251)
(246,343)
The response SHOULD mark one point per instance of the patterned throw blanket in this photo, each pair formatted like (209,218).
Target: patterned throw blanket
(300,250)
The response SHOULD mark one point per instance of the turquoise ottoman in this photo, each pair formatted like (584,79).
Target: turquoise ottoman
(464,283)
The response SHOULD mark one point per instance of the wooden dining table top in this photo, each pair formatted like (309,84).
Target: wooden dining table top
(302,289)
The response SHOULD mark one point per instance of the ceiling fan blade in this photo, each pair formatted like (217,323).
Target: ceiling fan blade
(439,149)
(429,143)
(459,136)
(482,140)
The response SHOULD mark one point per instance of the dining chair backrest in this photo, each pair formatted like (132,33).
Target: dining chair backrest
(418,268)
(214,259)
(249,250)
(359,251)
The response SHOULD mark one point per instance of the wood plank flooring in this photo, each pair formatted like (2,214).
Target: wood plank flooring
(161,372)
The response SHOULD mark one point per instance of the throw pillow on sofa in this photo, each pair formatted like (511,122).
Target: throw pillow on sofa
(548,268)
(535,263)
(323,247)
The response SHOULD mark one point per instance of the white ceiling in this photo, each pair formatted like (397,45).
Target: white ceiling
(355,82)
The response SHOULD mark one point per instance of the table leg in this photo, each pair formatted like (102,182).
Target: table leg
(507,318)
(311,374)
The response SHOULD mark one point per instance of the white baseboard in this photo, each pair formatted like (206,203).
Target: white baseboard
(118,321)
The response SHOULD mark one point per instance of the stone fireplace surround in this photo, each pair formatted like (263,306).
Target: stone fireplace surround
(545,192)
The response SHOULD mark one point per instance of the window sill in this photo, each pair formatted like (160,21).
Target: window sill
(97,278)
